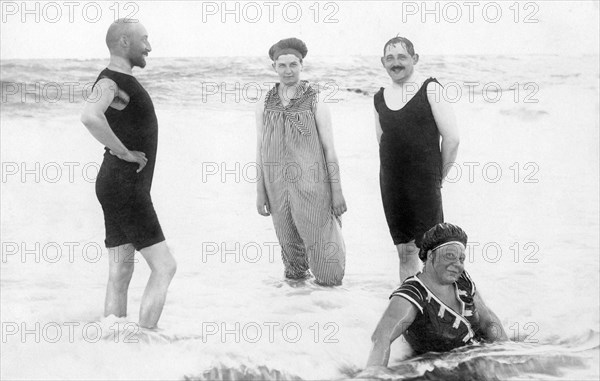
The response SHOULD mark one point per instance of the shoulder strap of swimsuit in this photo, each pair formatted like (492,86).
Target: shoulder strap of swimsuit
(413,291)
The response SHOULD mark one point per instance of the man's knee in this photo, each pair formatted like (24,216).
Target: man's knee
(160,259)
(167,267)
(170,268)
(120,275)
(408,251)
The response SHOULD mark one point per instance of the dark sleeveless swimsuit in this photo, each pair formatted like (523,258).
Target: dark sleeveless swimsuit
(438,328)
(129,215)
(410,174)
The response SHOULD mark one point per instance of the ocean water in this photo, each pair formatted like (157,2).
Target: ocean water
(525,189)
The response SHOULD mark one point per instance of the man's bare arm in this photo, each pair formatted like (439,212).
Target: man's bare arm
(94,120)
(446,123)
(378,130)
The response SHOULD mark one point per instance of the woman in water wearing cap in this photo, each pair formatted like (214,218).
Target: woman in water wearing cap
(300,183)
(438,309)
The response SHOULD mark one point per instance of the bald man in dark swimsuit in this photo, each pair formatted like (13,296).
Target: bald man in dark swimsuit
(120,115)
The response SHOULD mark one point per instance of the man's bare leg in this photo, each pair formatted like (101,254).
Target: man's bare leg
(410,264)
(120,269)
(163,268)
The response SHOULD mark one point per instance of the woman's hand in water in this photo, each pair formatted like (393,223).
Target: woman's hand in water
(374,373)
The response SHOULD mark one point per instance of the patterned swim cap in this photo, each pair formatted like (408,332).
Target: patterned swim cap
(292,45)
(440,234)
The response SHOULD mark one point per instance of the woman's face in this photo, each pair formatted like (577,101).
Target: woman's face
(288,67)
(448,262)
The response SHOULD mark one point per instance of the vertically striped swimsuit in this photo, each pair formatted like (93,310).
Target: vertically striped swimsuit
(298,188)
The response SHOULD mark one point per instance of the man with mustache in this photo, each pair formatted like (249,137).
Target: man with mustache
(119,114)
(410,118)
(438,309)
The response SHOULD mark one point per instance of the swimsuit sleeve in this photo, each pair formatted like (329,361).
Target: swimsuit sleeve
(314,89)
(268,98)
(412,291)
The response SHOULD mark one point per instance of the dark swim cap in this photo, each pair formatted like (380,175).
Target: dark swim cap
(440,234)
(288,46)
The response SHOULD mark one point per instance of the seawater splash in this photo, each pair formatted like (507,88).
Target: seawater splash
(242,372)
(493,362)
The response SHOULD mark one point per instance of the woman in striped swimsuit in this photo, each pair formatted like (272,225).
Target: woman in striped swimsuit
(436,310)
(300,184)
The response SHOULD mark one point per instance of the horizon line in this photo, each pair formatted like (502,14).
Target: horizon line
(597,54)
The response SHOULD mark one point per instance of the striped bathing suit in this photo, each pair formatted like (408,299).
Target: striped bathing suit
(437,327)
(299,192)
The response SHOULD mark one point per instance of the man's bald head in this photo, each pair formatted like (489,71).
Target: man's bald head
(128,39)
(120,28)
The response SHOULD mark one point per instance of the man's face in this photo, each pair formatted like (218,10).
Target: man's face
(398,62)
(448,263)
(139,47)
(288,67)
